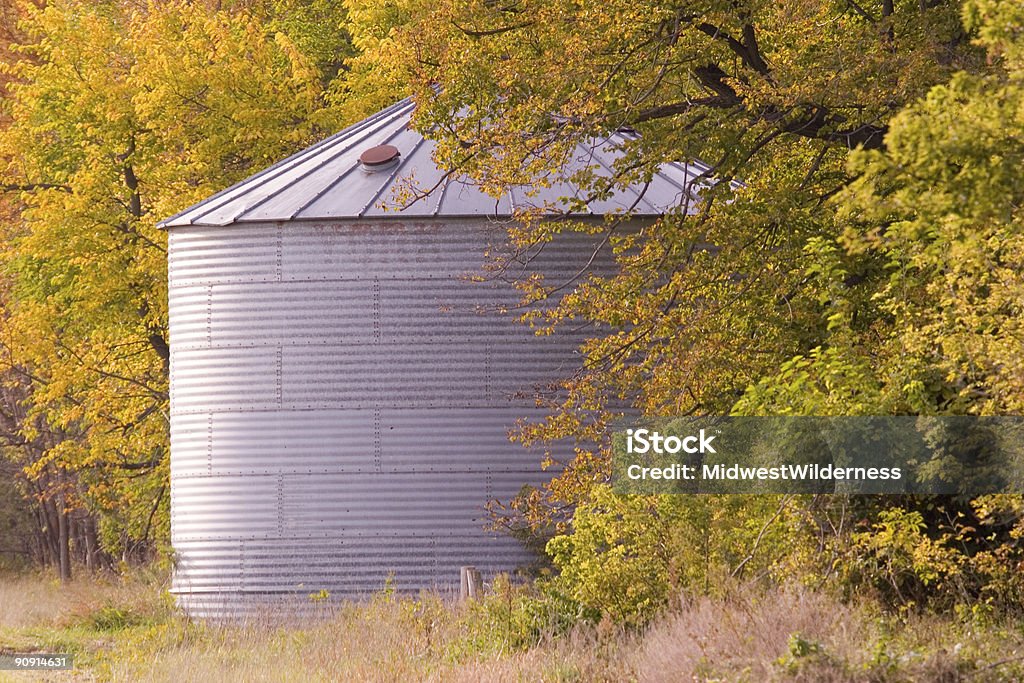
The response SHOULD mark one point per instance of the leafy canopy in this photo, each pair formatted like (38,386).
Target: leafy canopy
(122,114)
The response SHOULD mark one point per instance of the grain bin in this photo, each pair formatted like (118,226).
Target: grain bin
(341,391)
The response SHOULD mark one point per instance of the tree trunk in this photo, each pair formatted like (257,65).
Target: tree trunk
(63,541)
(90,544)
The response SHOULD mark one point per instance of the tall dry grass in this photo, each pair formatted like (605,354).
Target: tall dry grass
(754,634)
(385,639)
(40,600)
(123,630)
(796,634)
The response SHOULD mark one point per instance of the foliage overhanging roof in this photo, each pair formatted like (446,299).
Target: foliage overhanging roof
(328,182)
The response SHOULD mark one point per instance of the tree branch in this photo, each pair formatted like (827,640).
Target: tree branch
(676,108)
(32,187)
(746,52)
(483,33)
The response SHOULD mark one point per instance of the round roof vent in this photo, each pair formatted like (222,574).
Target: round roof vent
(379,158)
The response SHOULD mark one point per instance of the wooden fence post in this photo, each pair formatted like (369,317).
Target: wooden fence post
(471,585)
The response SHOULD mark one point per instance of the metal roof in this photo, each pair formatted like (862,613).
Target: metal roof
(328,182)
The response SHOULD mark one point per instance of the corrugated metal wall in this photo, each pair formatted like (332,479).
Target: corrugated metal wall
(340,401)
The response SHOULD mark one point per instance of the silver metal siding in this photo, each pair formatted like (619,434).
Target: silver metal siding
(341,396)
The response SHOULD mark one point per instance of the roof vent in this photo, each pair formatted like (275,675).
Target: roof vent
(379,158)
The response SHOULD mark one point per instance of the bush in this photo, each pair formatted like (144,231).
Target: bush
(899,560)
(627,556)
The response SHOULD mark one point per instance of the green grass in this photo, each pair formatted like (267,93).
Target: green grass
(127,629)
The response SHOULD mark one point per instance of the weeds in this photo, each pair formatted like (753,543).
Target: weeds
(127,630)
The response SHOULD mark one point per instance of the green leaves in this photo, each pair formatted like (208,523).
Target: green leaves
(866,260)
(627,556)
(123,114)
(941,208)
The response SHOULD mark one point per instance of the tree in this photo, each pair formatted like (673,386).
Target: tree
(122,113)
(935,218)
(855,246)
(771,95)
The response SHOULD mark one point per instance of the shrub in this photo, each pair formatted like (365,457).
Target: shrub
(627,556)
(899,560)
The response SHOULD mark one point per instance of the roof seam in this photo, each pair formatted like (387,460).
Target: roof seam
(334,183)
(320,183)
(401,164)
(365,132)
(309,151)
(641,196)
